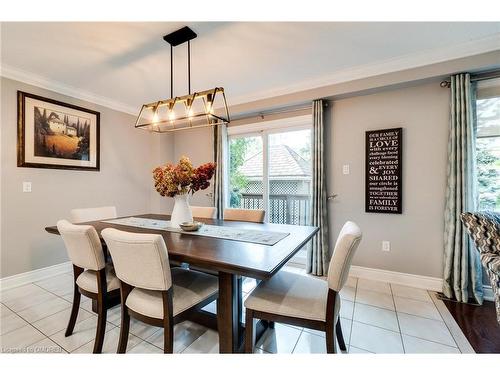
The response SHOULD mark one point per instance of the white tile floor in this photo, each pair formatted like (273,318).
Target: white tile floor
(376,317)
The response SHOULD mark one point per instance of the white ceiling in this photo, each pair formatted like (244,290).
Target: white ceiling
(127,64)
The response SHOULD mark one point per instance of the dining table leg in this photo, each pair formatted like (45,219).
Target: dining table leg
(229,310)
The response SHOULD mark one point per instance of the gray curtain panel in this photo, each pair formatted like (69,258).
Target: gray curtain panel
(462,267)
(219,141)
(317,252)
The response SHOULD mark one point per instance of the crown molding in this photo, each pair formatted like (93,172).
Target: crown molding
(429,57)
(30,78)
(410,61)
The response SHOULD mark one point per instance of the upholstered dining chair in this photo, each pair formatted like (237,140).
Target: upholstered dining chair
(204,212)
(82,215)
(304,300)
(91,276)
(238,214)
(484,230)
(150,290)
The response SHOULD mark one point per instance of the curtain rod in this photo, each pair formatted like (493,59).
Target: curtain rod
(492,74)
(271,112)
(277,111)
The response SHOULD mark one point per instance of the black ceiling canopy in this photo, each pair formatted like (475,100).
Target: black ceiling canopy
(180,36)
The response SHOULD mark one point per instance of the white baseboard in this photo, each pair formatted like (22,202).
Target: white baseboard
(415,281)
(35,275)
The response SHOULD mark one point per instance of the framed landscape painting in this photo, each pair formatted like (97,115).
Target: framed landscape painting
(52,134)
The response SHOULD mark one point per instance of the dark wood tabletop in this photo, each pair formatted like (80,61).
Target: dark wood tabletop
(235,257)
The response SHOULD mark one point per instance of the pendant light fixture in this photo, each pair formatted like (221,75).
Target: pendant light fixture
(194,110)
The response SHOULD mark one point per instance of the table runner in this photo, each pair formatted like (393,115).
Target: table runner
(227,233)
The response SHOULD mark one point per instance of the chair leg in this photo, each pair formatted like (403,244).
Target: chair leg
(74,312)
(124,330)
(331,343)
(168,321)
(168,336)
(340,336)
(101,326)
(249,332)
(125,290)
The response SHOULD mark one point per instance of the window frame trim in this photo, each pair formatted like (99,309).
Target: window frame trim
(263,129)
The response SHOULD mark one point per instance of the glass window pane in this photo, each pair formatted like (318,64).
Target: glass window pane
(488,117)
(488,173)
(488,153)
(245,172)
(290,177)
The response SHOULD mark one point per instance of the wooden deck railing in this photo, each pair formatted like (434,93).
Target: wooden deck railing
(283,208)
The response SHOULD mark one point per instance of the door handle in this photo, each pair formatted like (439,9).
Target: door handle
(332,197)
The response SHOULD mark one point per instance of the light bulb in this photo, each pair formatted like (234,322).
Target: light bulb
(155,118)
(190,113)
(171,115)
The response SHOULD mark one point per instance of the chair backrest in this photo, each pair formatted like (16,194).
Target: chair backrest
(484,229)
(238,214)
(139,259)
(82,244)
(344,250)
(204,212)
(82,215)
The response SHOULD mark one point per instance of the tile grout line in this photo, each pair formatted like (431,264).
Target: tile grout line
(35,328)
(402,312)
(361,349)
(57,312)
(397,319)
(446,325)
(84,320)
(433,341)
(48,291)
(353,308)
(293,350)
(130,334)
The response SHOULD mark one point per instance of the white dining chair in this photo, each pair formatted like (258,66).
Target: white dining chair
(306,301)
(150,290)
(92,277)
(239,214)
(204,212)
(82,215)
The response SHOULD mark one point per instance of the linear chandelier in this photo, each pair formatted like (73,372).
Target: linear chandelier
(194,110)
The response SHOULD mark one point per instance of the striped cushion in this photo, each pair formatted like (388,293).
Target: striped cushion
(491,262)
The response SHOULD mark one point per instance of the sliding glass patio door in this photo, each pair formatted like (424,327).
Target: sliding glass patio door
(270,169)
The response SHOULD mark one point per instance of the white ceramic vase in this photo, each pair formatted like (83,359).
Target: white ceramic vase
(181,212)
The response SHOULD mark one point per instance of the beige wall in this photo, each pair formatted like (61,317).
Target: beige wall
(416,235)
(162,149)
(127,158)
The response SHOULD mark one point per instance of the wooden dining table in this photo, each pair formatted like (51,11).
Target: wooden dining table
(231,260)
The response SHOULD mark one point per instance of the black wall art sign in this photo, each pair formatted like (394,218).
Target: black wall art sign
(384,151)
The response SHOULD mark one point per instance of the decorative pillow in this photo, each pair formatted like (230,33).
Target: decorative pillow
(484,229)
